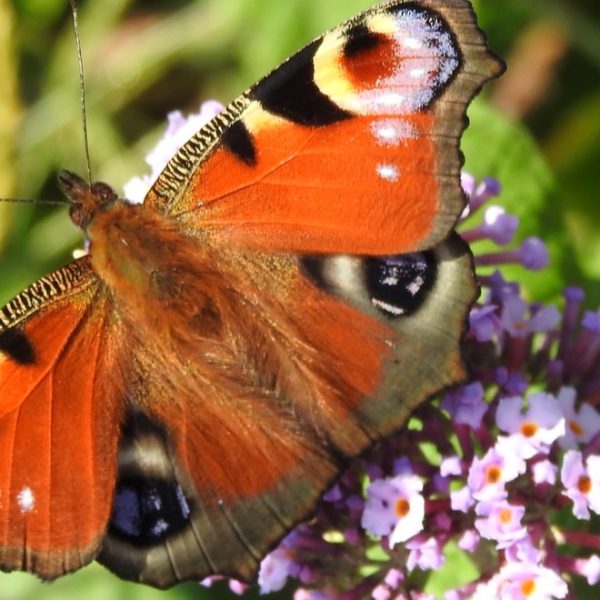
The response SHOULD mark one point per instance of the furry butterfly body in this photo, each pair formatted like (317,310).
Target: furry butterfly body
(288,292)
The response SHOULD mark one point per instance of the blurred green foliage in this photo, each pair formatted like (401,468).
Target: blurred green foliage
(145,58)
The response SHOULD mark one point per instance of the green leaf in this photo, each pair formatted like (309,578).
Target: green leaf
(455,572)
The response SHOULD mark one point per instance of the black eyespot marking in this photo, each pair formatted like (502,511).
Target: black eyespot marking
(148,510)
(237,139)
(291,92)
(313,268)
(360,39)
(398,285)
(17,346)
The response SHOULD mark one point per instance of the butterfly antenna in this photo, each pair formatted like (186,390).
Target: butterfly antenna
(82,90)
(29,201)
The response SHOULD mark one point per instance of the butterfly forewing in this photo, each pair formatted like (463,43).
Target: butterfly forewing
(349,146)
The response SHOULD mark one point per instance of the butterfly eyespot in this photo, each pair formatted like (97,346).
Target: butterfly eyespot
(15,344)
(146,510)
(398,285)
(361,39)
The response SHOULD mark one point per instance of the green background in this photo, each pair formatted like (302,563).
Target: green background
(538,130)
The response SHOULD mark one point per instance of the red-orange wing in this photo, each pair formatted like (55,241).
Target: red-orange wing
(60,401)
(351,146)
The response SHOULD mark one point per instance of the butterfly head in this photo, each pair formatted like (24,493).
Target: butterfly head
(86,199)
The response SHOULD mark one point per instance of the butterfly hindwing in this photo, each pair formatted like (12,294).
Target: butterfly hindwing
(59,423)
(334,363)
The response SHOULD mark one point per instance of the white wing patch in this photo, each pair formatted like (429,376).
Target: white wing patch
(388,172)
(26,500)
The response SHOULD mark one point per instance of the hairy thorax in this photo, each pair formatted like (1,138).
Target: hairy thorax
(162,281)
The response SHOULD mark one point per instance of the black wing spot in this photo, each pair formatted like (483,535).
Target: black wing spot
(148,510)
(312,266)
(17,346)
(237,139)
(291,92)
(360,39)
(398,285)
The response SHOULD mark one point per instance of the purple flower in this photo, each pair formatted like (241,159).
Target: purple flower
(515,320)
(535,430)
(484,323)
(488,475)
(466,404)
(425,553)
(381,592)
(534,254)
(581,425)
(501,521)
(179,130)
(591,569)
(523,551)
(479,194)
(461,500)
(499,226)
(544,471)
(450,465)
(275,569)
(522,581)
(513,383)
(582,483)
(395,507)
(394,578)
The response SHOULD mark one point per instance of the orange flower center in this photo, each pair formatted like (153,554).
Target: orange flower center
(575,427)
(529,429)
(493,474)
(402,507)
(527,587)
(584,485)
(505,516)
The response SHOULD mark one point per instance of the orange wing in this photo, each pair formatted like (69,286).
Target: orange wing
(60,404)
(351,146)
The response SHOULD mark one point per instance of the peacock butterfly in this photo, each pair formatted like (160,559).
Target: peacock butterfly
(172,403)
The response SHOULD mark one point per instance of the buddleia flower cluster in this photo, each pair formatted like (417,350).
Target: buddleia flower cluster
(491,491)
